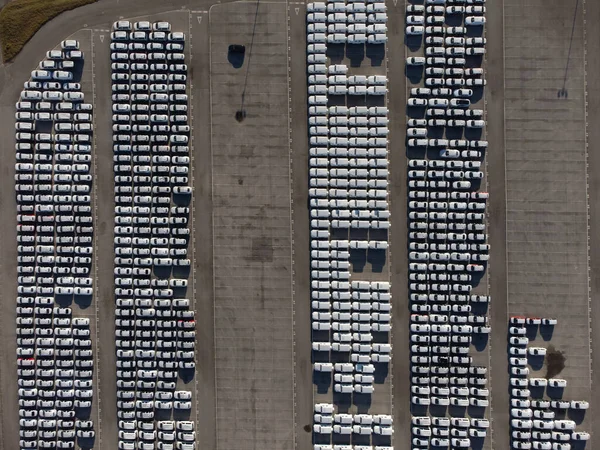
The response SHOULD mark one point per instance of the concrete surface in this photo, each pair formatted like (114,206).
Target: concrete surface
(526,109)
(592,37)
(252,228)
(546,178)
(304,404)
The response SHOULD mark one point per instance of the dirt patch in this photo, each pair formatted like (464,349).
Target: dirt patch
(555,362)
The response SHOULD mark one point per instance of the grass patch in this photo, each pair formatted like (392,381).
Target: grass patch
(21,19)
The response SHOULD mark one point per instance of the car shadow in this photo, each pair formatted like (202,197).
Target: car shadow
(358,259)
(537,392)
(236,59)
(376,53)
(413,41)
(535,361)
(555,393)
(356,54)
(83,413)
(83,301)
(86,443)
(362,402)
(546,332)
(377,259)
(63,300)
(322,380)
(480,341)
(576,415)
(381,372)
(335,53)
(187,375)
(181,414)
(414,74)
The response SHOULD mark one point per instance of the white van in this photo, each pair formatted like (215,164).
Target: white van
(380,38)
(376,90)
(317,79)
(317,58)
(336,38)
(52,96)
(62,75)
(378,111)
(358,111)
(338,69)
(316,48)
(41,75)
(356,28)
(317,100)
(316,17)
(317,68)
(377,80)
(358,38)
(318,27)
(316,7)
(338,110)
(357,90)
(317,110)
(31,95)
(339,17)
(377,28)
(378,17)
(357,18)
(338,90)
(314,38)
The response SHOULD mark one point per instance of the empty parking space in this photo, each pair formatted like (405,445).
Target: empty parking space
(546,180)
(251,226)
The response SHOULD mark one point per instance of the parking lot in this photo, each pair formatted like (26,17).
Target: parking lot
(251,226)
(60,275)
(352,357)
(444,48)
(152,106)
(546,240)
(546,180)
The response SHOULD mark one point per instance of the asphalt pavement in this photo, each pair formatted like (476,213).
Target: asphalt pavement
(498,374)
(397,98)
(304,404)
(99,16)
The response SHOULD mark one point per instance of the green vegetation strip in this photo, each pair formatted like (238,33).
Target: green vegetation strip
(21,19)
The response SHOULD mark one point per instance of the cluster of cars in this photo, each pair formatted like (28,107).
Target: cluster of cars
(348,179)
(534,424)
(54,249)
(360,308)
(334,80)
(166,431)
(447,432)
(154,325)
(327,421)
(448,249)
(430,19)
(338,22)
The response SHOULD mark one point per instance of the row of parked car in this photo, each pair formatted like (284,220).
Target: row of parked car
(348,179)
(55,361)
(327,421)
(534,424)
(155,322)
(337,32)
(448,249)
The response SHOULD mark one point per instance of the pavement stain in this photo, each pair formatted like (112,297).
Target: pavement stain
(555,361)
